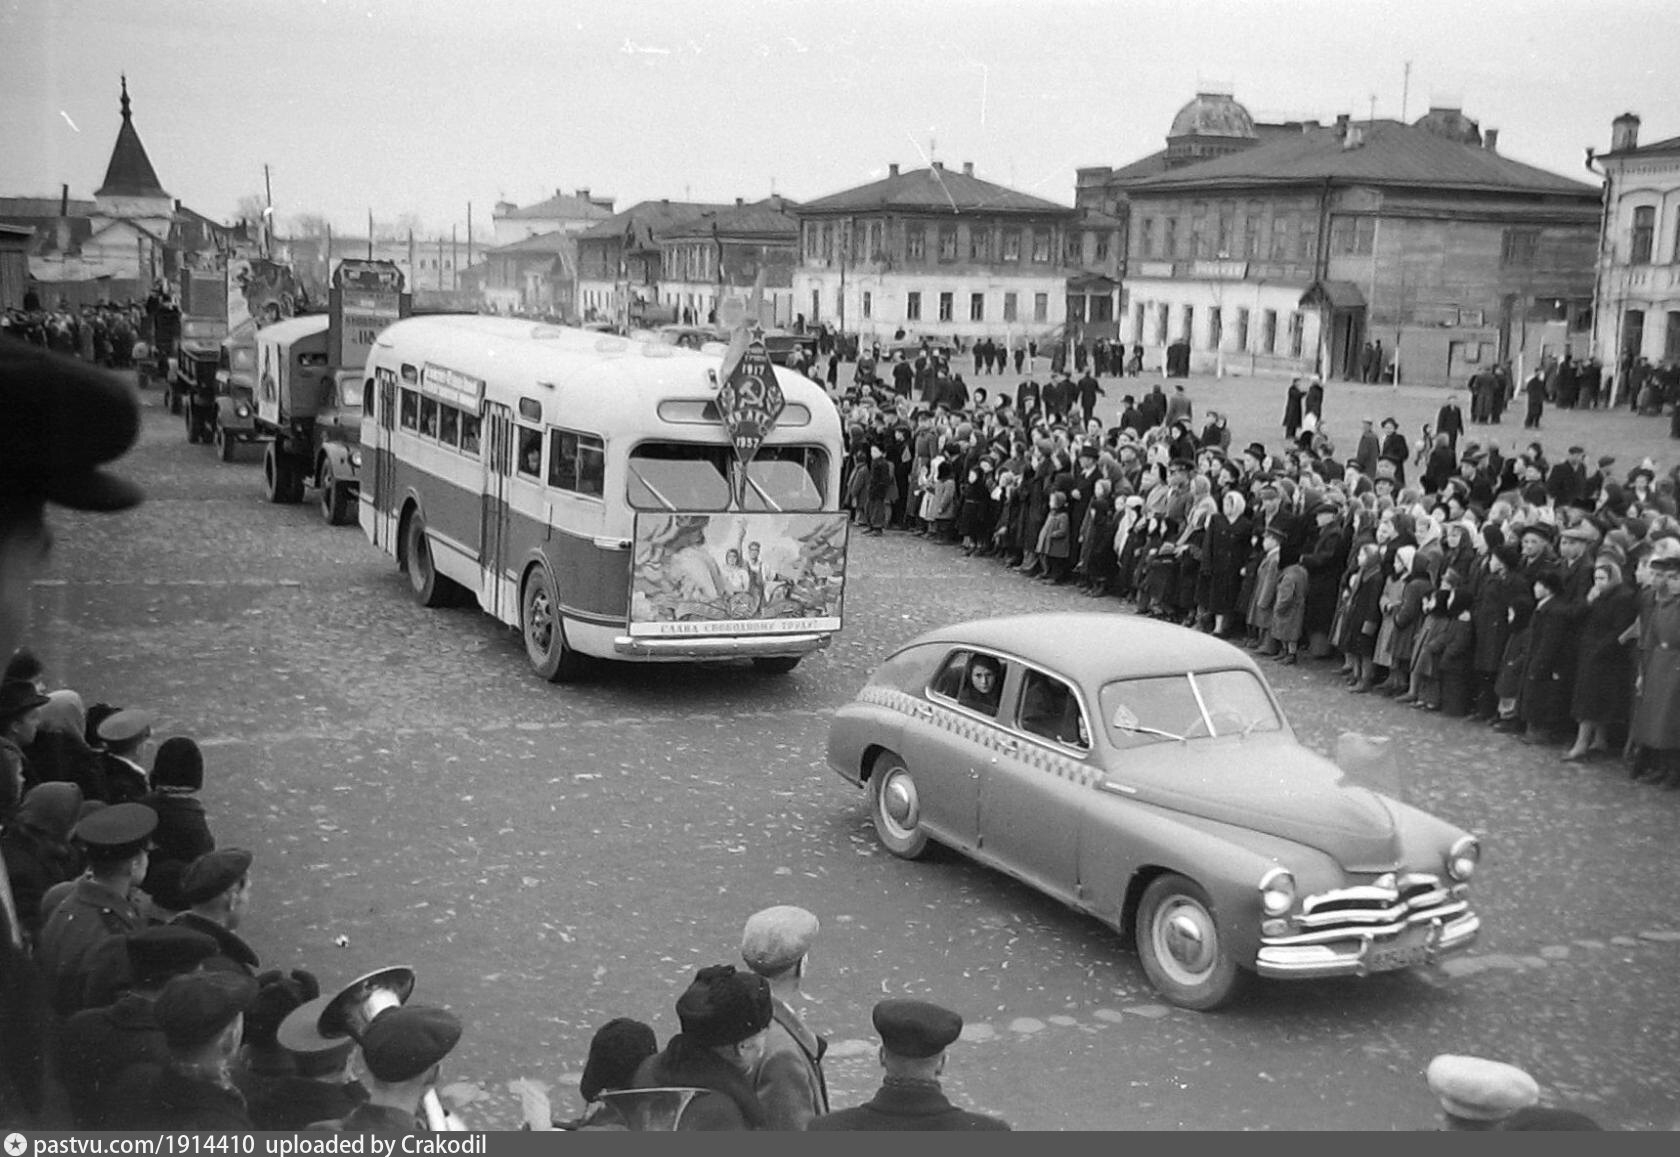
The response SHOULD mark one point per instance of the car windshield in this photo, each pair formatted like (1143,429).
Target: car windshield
(1200,705)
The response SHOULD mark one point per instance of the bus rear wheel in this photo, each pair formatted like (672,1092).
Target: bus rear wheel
(544,634)
(430,588)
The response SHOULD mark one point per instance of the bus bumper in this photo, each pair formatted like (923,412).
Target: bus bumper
(731,648)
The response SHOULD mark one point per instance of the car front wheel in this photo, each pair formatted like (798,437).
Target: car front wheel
(896,808)
(1180,946)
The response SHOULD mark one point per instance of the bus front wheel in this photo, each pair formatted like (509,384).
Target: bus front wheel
(545,635)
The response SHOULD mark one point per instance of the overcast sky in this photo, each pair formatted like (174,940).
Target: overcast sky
(425,106)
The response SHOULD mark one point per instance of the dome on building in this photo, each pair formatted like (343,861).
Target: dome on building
(1213,114)
(1452,124)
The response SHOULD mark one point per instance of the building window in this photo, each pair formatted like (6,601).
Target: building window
(1216,327)
(1251,231)
(977,307)
(1041,245)
(1676,257)
(1146,237)
(1242,327)
(816,304)
(1356,236)
(1169,238)
(1009,306)
(1012,245)
(1223,239)
(810,238)
(1280,238)
(1073,247)
(946,306)
(1102,246)
(868,304)
(1041,307)
(1189,323)
(915,243)
(913,305)
(1644,230)
(979,243)
(1519,247)
(1297,330)
(1137,322)
(1198,231)
(947,243)
(1161,324)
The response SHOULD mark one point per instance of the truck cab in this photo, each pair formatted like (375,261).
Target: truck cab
(236,407)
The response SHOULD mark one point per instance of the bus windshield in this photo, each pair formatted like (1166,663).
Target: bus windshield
(688,477)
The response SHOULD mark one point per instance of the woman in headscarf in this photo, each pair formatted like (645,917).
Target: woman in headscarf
(1228,536)
(1604,665)
(37,848)
(60,752)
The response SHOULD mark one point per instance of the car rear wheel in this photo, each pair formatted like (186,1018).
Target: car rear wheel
(896,808)
(1179,943)
(544,633)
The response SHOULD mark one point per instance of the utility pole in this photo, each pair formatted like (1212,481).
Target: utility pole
(469,235)
(268,218)
(370,233)
(454,262)
(1405,90)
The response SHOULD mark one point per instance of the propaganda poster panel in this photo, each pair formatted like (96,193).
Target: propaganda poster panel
(737,574)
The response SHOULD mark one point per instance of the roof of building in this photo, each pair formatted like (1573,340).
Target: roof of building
(130,173)
(41,208)
(1670,145)
(563,206)
(766,218)
(934,189)
(1212,114)
(1390,153)
(556,241)
(1139,170)
(646,218)
(1452,124)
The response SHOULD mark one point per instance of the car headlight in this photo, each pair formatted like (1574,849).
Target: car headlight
(1463,857)
(242,411)
(356,459)
(1277,892)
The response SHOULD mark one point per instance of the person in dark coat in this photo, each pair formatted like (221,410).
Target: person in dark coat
(1540,703)
(61,752)
(879,494)
(1449,420)
(201,1015)
(104,904)
(1362,617)
(725,1014)
(1603,663)
(1229,541)
(1153,407)
(1097,559)
(1314,404)
(1323,561)
(1292,409)
(99,1048)
(291,1075)
(183,832)
(1456,655)
(1501,605)
(1395,450)
(37,848)
(1655,730)
(1440,465)
(914,1038)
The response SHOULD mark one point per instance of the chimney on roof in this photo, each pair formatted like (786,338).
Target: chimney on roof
(583,193)
(1624,132)
(1342,123)
(940,165)
(892,171)
(739,202)
(968,168)
(1490,140)
(557,193)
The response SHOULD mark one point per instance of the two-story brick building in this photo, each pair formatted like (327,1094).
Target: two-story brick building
(1292,254)
(1638,312)
(944,253)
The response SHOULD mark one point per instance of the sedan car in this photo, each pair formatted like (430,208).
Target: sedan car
(1145,773)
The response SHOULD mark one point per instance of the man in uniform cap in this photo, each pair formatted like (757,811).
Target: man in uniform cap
(1477,1094)
(202,1015)
(914,1037)
(60,419)
(100,1048)
(320,1086)
(125,736)
(103,904)
(217,888)
(724,1016)
(403,1051)
(788,1077)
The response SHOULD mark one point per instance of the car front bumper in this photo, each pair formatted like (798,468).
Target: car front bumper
(1370,950)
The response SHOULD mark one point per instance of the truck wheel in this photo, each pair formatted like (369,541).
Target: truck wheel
(171,398)
(1180,946)
(335,501)
(430,588)
(226,444)
(544,634)
(192,426)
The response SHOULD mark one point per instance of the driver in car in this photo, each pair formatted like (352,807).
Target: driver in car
(983,686)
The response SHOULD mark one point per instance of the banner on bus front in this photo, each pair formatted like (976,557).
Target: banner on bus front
(737,573)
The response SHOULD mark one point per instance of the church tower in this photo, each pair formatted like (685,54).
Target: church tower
(131,190)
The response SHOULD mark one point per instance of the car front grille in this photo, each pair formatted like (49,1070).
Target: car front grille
(1384,907)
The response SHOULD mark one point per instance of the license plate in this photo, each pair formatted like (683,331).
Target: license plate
(1400,956)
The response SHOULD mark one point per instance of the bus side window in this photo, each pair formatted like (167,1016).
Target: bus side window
(577,463)
(409,409)
(591,466)
(429,417)
(469,433)
(530,452)
(449,429)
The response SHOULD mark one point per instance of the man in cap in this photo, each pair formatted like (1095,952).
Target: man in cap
(1394,449)
(1477,1094)
(1369,449)
(1567,481)
(126,736)
(99,1047)
(20,714)
(104,903)
(1449,420)
(1536,540)
(725,1015)
(788,1076)
(316,1084)
(217,888)
(403,1051)
(914,1036)
(1579,547)
(1655,730)
(202,1015)
(1595,481)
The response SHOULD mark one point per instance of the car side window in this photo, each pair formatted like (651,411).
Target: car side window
(972,680)
(1050,708)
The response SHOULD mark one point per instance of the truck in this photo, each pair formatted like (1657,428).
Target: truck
(308,401)
(190,374)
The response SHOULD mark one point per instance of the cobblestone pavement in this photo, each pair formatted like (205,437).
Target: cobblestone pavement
(548,857)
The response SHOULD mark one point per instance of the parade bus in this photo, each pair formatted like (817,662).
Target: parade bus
(583,487)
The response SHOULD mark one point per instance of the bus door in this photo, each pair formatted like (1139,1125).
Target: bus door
(379,500)
(493,514)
